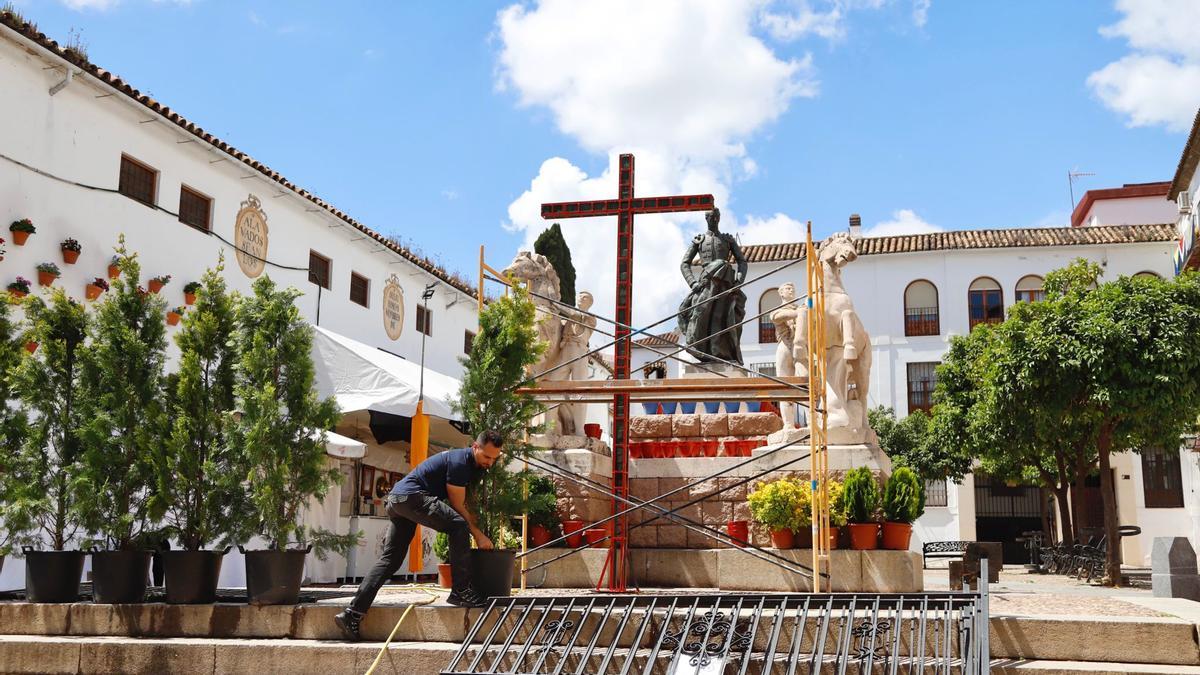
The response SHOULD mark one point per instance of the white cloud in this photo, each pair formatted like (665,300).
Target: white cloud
(99,5)
(1159,82)
(798,19)
(682,84)
(903,221)
(920,12)
(450,194)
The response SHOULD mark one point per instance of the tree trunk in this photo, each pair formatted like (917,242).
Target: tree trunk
(1077,506)
(1113,559)
(1064,513)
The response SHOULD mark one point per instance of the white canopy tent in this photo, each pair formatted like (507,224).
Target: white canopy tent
(362,377)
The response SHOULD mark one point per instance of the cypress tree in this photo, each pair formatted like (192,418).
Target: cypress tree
(124,416)
(551,244)
(15,522)
(278,430)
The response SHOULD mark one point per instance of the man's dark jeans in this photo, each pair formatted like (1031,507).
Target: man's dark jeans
(406,512)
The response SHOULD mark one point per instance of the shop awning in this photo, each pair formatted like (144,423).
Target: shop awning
(362,377)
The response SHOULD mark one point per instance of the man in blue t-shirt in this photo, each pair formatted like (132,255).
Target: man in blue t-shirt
(433,495)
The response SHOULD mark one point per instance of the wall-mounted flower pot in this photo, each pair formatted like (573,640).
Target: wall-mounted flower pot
(896,536)
(492,572)
(69,257)
(273,577)
(445,579)
(591,429)
(20,236)
(189,298)
(113,271)
(31,346)
(782,538)
(92,291)
(573,530)
(119,577)
(739,531)
(53,576)
(192,576)
(46,278)
(154,285)
(18,294)
(538,535)
(173,318)
(687,408)
(595,537)
(864,536)
(712,407)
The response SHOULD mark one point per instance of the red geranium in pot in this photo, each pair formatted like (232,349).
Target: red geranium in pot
(70,250)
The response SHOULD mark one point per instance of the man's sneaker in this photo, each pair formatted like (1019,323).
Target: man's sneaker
(348,620)
(466,598)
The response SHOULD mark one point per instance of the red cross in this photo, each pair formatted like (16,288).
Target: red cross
(624,207)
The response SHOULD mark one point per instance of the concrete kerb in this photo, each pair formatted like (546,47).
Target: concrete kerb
(1159,640)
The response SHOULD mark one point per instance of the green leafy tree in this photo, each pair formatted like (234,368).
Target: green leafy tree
(277,432)
(909,441)
(505,348)
(45,476)
(14,429)
(124,416)
(200,476)
(551,244)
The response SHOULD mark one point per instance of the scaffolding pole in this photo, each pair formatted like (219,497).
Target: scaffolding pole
(817,407)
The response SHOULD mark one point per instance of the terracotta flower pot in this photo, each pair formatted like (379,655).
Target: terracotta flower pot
(155,285)
(595,536)
(92,291)
(572,528)
(19,237)
(189,298)
(172,318)
(864,536)
(802,538)
(835,535)
(31,346)
(538,535)
(711,448)
(591,430)
(18,294)
(444,578)
(896,536)
(739,531)
(113,271)
(46,278)
(69,257)
(782,538)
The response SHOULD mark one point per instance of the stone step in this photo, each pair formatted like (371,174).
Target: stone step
(55,655)
(1164,640)
(1023,667)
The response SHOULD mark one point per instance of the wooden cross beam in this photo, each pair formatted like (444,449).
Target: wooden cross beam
(624,207)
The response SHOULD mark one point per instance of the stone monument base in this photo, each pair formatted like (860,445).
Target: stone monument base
(552,442)
(842,457)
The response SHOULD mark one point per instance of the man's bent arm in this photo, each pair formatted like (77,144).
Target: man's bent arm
(458,502)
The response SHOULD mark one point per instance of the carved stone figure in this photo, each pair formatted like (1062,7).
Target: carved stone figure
(848,348)
(576,333)
(787,362)
(701,322)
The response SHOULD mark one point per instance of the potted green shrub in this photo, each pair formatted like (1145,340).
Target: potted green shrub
(505,347)
(47,273)
(860,494)
(156,283)
(542,510)
(903,503)
(777,505)
(200,495)
(15,524)
(45,479)
(95,288)
(441,548)
(175,314)
(274,433)
(70,250)
(21,229)
(124,425)
(189,292)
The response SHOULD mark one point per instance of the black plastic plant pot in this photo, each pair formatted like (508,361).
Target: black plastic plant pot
(119,577)
(492,572)
(273,577)
(53,576)
(192,576)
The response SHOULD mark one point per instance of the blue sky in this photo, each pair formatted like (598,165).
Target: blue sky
(447,122)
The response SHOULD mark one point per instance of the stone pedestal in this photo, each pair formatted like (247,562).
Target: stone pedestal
(841,457)
(711,370)
(553,442)
(1173,571)
(993,551)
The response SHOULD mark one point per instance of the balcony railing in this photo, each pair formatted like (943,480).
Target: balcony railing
(921,321)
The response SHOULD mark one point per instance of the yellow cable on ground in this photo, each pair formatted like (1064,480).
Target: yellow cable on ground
(383,650)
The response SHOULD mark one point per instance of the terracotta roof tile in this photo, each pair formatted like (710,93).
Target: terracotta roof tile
(979,239)
(10,21)
(670,339)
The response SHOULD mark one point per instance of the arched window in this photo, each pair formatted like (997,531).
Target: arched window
(921,309)
(1029,289)
(1146,274)
(769,302)
(985,302)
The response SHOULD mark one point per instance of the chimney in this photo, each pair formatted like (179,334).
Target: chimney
(855,225)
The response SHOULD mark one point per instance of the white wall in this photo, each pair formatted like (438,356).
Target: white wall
(1131,211)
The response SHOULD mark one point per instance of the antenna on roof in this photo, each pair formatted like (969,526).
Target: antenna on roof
(1071,176)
